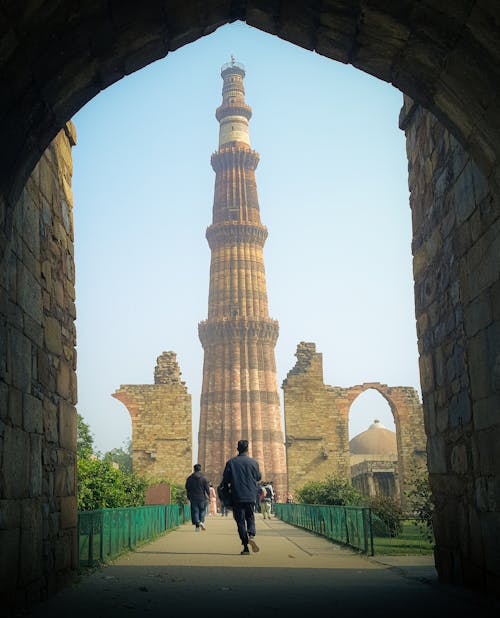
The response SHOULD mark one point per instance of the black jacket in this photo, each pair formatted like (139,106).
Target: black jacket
(242,474)
(197,488)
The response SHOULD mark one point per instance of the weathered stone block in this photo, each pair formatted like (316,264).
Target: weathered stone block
(460,411)
(62,553)
(64,380)
(30,224)
(459,460)
(479,370)
(29,293)
(69,513)
(15,470)
(30,565)
(486,412)
(32,414)
(436,455)
(67,426)
(64,481)
(19,349)
(53,336)
(478,314)
(16,407)
(50,421)
(35,465)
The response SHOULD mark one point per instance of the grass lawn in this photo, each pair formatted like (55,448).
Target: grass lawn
(410,542)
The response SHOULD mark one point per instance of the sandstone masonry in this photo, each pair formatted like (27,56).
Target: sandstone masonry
(38,507)
(317,422)
(161,423)
(456,265)
(239,398)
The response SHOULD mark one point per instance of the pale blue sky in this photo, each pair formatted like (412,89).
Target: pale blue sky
(333,193)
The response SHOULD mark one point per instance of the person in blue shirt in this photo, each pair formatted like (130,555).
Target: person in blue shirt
(241,476)
(198,492)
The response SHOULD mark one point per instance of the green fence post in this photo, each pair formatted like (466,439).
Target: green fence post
(371,531)
(90,560)
(346,527)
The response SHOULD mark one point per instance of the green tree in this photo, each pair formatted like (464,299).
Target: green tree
(419,496)
(388,520)
(122,456)
(333,491)
(101,486)
(84,439)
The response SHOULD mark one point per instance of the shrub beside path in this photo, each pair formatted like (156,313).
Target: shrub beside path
(295,573)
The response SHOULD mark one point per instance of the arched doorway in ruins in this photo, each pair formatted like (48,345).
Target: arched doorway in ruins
(406,410)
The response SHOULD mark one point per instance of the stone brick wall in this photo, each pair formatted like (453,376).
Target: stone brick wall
(161,423)
(317,422)
(456,263)
(38,508)
(317,440)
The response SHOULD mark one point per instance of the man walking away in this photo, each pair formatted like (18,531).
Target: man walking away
(241,476)
(198,493)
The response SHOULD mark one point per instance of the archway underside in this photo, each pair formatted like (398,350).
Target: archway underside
(56,59)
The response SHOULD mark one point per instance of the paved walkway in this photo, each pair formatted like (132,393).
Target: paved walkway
(295,574)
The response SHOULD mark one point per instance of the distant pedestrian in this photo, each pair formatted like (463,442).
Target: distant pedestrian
(266,500)
(198,493)
(213,500)
(241,476)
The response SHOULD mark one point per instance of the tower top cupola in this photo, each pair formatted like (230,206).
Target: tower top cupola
(233,114)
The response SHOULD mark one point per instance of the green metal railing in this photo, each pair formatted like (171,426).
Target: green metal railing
(350,525)
(104,534)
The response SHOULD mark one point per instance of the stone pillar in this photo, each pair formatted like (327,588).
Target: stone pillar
(239,398)
(456,265)
(161,423)
(38,506)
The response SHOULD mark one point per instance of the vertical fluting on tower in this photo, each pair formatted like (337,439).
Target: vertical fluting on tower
(239,397)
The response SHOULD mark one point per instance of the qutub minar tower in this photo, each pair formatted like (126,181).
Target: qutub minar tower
(239,397)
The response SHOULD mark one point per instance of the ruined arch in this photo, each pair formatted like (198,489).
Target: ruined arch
(57,56)
(408,418)
(317,422)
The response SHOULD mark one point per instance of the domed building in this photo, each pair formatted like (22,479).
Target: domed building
(374,461)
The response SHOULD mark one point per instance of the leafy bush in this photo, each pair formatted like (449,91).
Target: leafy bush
(333,491)
(418,495)
(101,486)
(388,516)
(178,494)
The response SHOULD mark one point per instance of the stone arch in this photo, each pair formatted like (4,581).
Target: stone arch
(57,59)
(57,56)
(408,419)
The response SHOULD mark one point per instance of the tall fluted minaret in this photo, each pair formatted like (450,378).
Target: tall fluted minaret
(239,398)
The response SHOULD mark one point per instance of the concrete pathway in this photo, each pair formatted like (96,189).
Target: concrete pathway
(295,574)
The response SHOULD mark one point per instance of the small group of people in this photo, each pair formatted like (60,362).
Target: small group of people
(265,499)
(237,491)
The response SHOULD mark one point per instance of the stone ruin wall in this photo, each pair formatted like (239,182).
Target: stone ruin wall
(456,249)
(38,507)
(315,438)
(317,423)
(161,423)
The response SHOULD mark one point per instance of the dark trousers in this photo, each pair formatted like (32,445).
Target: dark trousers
(244,517)
(198,510)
